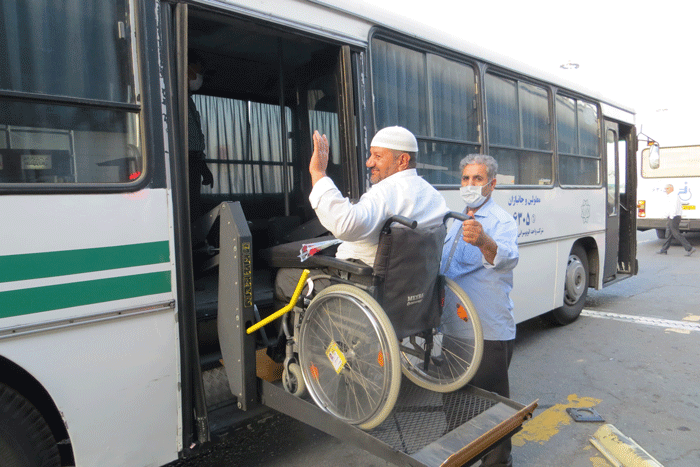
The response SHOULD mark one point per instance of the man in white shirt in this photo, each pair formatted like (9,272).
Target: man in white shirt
(396,190)
(674,210)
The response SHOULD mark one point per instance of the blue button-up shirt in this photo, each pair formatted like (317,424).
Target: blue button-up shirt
(488,285)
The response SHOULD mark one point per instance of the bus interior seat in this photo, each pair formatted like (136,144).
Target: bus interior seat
(309,229)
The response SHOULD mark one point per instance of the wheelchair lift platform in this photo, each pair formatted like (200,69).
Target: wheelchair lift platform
(424,429)
(417,433)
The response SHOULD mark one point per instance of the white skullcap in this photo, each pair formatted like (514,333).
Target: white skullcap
(395,137)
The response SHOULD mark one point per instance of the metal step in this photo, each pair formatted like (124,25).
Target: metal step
(216,388)
(425,429)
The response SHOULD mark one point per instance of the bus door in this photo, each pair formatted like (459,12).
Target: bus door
(620,242)
(612,235)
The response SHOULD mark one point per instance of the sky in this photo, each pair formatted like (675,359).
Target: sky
(642,54)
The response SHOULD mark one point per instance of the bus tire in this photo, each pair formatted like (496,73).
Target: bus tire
(661,233)
(25,438)
(575,288)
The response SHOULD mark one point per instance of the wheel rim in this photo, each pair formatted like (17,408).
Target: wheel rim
(575,280)
(342,355)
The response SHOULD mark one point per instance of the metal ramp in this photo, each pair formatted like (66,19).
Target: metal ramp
(425,429)
(417,433)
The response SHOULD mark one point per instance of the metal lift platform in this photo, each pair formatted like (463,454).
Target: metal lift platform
(425,428)
(417,433)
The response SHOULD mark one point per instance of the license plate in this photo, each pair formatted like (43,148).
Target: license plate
(36,161)
(689,207)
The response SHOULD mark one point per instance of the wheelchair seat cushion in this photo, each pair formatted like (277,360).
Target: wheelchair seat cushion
(409,263)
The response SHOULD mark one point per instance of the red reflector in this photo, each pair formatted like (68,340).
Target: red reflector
(134,175)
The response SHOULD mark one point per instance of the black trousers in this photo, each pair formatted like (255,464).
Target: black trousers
(672,225)
(492,376)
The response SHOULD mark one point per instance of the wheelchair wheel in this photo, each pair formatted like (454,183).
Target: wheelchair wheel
(293,381)
(349,356)
(445,358)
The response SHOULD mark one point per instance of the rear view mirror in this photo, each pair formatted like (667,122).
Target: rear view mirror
(654,156)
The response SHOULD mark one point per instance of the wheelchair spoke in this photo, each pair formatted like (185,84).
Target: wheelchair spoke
(343,352)
(455,353)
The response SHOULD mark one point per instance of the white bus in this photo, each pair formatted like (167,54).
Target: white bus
(679,166)
(112,321)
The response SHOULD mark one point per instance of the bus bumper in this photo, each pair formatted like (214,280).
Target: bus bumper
(686,225)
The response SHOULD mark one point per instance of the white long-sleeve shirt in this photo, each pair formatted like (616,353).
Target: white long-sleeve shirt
(358,225)
(673,207)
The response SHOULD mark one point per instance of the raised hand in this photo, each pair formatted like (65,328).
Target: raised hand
(319,158)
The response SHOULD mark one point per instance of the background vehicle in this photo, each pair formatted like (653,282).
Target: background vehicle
(679,166)
(112,322)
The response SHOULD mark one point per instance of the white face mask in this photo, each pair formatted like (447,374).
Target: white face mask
(472,195)
(195,84)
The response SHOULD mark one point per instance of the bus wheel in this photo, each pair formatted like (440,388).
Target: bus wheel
(25,437)
(661,233)
(575,288)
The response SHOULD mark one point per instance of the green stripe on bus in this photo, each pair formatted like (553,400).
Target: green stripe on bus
(54,297)
(63,263)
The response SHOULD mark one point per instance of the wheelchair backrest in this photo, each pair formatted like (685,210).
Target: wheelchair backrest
(408,263)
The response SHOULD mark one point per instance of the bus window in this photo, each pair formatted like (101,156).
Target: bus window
(612,172)
(323,116)
(78,123)
(577,129)
(519,131)
(439,107)
(622,163)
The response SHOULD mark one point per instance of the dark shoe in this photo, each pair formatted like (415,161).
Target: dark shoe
(690,252)
(661,252)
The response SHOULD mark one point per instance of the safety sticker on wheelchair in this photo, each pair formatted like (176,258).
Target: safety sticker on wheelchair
(462,313)
(335,355)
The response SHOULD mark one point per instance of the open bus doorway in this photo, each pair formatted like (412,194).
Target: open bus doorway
(264,92)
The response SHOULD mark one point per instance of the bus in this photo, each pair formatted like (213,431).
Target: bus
(675,165)
(119,313)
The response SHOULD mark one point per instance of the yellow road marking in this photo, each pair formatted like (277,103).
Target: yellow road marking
(599,462)
(542,427)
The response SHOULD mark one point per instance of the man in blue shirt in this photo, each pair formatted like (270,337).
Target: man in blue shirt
(480,255)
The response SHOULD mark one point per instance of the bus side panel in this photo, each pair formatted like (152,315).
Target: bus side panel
(549,222)
(652,192)
(86,295)
(532,289)
(115,383)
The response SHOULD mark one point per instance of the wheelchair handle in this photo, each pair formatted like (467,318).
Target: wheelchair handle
(410,223)
(456,215)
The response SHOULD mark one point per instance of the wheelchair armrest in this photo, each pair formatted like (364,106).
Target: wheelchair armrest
(333,262)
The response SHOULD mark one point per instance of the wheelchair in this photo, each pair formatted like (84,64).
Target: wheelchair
(349,343)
